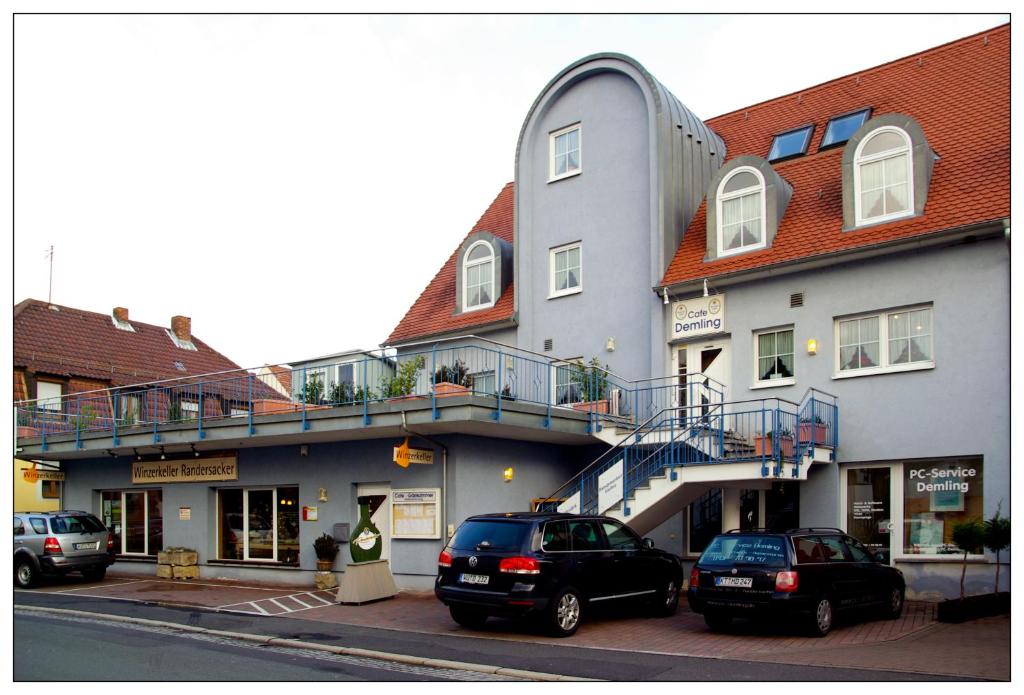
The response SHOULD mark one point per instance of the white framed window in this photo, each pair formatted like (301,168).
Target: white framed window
(887,341)
(565,148)
(566,382)
(883,177)
(566,263)
(135,517)
(478,277)
(741,212)
(189,410)
(48,395)
(260,524)
(773,355)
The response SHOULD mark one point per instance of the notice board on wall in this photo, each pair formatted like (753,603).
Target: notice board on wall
(416,513)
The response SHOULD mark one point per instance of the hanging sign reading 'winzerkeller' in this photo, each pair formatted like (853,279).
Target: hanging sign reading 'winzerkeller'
(404,455)
(185,470)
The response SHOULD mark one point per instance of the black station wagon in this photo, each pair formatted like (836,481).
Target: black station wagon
(808,574)
(551,567)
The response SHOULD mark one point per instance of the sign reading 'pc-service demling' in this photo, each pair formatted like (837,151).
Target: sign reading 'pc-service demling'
(698,316)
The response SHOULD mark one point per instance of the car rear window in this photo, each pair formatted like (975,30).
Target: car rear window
(725,551)
(491,535)
(79,523)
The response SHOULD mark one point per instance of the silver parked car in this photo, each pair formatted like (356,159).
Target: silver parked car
(58,543)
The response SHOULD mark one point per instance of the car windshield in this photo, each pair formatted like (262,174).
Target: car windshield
(490,535)
(725,551)
(76,524)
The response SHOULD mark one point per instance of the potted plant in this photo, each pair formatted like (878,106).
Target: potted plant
(313,390)
(997,539)
(813,430)
(969,536)
(403,383)
(763,443)
(590,381)
(326,549)
(452,381)
(340,393)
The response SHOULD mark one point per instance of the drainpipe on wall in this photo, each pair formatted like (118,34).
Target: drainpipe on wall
(444,472)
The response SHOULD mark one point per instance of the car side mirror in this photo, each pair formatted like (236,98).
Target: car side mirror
(649,544)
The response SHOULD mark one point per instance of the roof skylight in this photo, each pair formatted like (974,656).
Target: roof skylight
(841,128)
(791,143)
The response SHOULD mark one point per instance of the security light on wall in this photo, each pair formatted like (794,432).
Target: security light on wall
(508,474)
(610,345)
(812,347)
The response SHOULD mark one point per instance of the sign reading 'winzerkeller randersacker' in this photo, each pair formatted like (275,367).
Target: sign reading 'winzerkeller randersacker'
(185,470)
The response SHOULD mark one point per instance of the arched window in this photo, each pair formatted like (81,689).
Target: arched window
(478,277)
(883,176)
(741,212)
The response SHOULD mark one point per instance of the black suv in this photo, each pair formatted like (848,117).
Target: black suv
(808,574)
(551,567)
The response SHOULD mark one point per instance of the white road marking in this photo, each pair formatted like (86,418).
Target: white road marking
(79,588)
(280,605)
(300,601)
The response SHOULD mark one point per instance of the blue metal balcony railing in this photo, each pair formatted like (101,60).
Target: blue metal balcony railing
(434,373)
(770,431)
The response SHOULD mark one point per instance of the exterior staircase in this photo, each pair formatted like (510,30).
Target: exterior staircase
(657,468)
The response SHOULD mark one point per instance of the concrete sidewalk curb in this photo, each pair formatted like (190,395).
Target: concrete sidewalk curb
(298,644)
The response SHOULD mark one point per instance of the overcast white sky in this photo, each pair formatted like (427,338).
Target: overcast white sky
(292,183)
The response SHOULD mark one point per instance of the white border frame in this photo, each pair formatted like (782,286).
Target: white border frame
(858,161)
(552,293)
(551,152)
(466,264)
(883,344)
(437,513)
(719,199)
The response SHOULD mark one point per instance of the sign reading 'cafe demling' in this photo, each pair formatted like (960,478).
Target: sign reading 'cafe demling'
(185,470)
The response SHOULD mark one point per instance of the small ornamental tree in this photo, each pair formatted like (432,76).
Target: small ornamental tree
(969,536)
(997,537)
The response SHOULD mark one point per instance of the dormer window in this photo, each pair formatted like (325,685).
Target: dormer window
(565,153)
(882,176)
(741,212)
(478,277)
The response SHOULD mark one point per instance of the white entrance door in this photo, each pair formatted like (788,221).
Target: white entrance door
(380,512)
(703,371)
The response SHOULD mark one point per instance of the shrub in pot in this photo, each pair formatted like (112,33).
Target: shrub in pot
(326,549)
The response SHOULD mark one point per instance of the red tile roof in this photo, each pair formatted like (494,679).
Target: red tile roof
(959,93)
(434,311)
(73,342)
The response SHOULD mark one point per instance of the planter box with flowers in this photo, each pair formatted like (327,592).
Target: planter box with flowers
(452,381)
(763,444)
(813,431)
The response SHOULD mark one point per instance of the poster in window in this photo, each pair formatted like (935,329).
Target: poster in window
(947,501)
(416,513)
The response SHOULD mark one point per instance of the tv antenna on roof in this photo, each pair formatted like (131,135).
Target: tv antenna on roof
(49,254)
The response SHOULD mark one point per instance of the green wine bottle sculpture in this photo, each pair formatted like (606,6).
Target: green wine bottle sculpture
(365,543)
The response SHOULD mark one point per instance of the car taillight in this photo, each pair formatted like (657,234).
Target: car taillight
(51,546)
(444,559)
(519,565)
(694,577)
(786,582)
(110,541)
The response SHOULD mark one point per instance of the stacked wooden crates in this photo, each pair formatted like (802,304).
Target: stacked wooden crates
(178,563)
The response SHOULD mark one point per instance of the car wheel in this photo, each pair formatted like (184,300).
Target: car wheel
(468,617)
(565,612)
(822,615)
(668,600)
(25,574)
(95,575)
(717,622)
(894,606)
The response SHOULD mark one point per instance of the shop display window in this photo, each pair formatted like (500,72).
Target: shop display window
(937,494)
(135,517)
(868,508)
(258,524)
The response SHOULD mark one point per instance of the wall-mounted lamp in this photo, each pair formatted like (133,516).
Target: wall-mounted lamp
(112,454)
(304,450)
(508,474)
(610,345)
(664,296)
(163,456)
(137,456)
(705,287)
(194,452)
(812,347)
(323,494)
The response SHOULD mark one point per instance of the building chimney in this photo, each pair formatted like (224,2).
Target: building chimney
(182,327)
(121,314)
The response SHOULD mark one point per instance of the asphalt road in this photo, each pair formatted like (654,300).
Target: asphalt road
(119,651)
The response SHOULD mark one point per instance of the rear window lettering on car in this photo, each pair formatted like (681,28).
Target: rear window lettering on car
(556,537)
(584,535)
(75,524)
(38,525)
(745,550)
(490,535)
(620,537)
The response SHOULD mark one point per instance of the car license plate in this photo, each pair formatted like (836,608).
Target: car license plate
(86,546)
(474,578)
(742,582)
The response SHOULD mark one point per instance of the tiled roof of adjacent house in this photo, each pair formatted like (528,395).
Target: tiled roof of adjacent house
(959,93)
(434,311)
(65,341)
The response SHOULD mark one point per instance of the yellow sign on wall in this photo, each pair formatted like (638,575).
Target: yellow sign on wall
(404,455)
(185,470)
(33,475)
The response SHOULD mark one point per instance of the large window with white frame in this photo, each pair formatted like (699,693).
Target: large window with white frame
(565,148)
(887,341)
(566,264)
(478,277)
(135,517)
(774,357)
(260,524)
(741,212)
(883,176)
